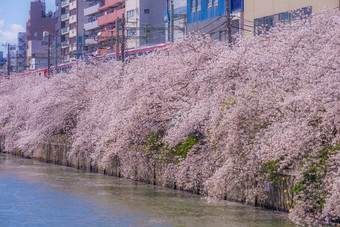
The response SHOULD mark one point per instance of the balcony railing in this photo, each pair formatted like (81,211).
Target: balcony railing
(66,59)
(73,19)
(73,47)
(64,16)
(64,44)
(73,33)
(91,25)
(107,35)
(111,4)
(90,41)
(64,3)
(73,5)
(110,18)
(64,30)
(91,10)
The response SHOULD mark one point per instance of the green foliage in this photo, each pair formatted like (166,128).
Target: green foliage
(271,168)
(155,145)
(227,105)
(183,148)
(314,176)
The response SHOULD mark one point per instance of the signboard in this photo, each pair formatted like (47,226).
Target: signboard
(166,17)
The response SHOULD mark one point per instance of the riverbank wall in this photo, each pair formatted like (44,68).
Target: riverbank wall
(277,194)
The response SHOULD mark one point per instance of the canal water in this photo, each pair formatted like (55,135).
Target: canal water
(33,193)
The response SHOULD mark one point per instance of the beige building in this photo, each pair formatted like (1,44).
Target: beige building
(267,12)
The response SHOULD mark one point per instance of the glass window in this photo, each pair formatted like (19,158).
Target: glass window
(209,3)
(130,14)
(215,2)
(198,5)
(284,17)
(269,22)
(193,5)
(131,32)
(147,11)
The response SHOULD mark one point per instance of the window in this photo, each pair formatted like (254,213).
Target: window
(284,17)
(193,5)
(269,22)
(131,32)
(147,11)
(215,2)
(130,14)
(210,3)
(198,5)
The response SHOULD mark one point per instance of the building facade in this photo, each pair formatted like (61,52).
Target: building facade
(145,24)
(265,13)
(72,20)
(21,51)
(91,27)
(37,24)
(248,16)
(210,17)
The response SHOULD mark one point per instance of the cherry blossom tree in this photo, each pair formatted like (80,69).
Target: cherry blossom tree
(214,116)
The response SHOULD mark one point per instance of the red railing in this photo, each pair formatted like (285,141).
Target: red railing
(110,4)
(110,18)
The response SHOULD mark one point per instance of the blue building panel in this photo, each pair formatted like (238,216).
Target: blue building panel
(211,12)
(205,12)
(236,6)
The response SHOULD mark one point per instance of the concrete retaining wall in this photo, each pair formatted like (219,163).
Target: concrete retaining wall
(56,152)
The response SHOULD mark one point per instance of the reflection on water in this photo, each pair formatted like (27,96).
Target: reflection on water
(38,194)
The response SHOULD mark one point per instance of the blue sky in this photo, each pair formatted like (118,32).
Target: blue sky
(13,17)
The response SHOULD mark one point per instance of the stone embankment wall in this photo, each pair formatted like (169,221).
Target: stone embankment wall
(277,194)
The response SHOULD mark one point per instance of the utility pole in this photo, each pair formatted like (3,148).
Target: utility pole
(228,22)
(117,39)
(16,62)
(48,54)
(123,38)
(8,60)
(56,53)
(172,30)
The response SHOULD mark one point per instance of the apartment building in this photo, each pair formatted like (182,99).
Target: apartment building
(72,20)
(209,16)
(111,11)
(265,13)
(21,51)
(37,24)
(145,24)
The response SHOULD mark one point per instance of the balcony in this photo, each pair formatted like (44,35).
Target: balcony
(73,5)
(73,19)
(91,10)
(91,25)
(107,35)
(65,3)
(110,18)
(64,31)
(64,44)
(64,17)
(73,47)
(111,4)
(90,41)
(66,58)
(73,33)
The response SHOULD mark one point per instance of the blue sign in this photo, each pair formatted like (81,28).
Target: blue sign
(166,17)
